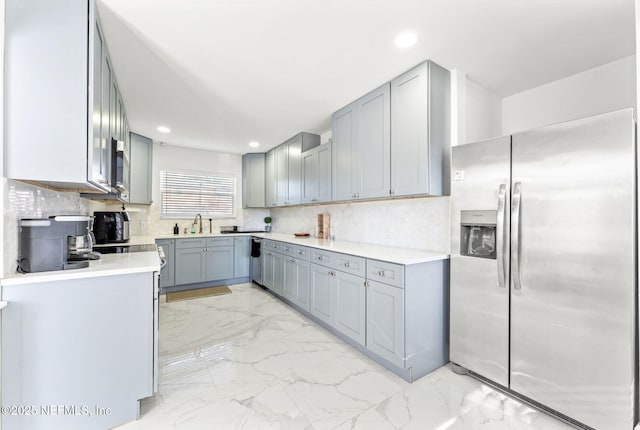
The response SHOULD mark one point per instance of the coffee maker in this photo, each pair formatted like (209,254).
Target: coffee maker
(56,243)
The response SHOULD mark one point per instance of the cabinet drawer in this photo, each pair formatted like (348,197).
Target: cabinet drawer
(274,246)
(321,257)
(349,263)
(301,253)
(387,273)
(191,243)
(220,241)
(287,248)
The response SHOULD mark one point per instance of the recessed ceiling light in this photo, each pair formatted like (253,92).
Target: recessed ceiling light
(254,144)
(406,39)
(163,129)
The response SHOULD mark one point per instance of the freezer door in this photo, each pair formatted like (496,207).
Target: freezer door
(573,268)
(479,336)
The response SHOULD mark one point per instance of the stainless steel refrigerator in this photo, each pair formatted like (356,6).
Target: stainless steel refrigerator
(543,266)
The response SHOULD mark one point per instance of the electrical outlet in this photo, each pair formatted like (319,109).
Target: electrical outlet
(144,226)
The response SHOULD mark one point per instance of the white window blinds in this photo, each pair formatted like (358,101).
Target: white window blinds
(185,194)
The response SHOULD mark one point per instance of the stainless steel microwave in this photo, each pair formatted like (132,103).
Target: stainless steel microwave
(120,168)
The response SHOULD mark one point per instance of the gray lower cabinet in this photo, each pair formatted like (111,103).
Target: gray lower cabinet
(296,281)
(321,303)
(349,304)
(167,274)
(141,160)
(86,342)
(220,258)
(385,322)
(273,271)
(191,261)
(394,313)
(242,258)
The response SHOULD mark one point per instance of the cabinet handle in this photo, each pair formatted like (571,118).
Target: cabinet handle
(347,264)
(313,200)
(293,261)
(381,272)
(366,284)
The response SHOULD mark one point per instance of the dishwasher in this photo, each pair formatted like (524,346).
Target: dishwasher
(256,266)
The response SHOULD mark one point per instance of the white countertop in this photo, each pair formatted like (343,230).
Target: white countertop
(107,265)
(391,254)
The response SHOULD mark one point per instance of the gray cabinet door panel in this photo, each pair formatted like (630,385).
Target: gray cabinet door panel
(349,305)
(167,274)
(385,322)
(191,266)
(281,161)
(375,144)
(294,171)
(270,178)
(267,269)
(278,273)
(220,263)
(242,259)
(343,152)
(253,180)
(321,294)
(290,287)
(310,176)
(302,273)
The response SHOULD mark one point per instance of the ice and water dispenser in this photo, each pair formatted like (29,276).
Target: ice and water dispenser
(478,234)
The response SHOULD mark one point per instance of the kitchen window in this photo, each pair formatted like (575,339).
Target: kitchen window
(185,193)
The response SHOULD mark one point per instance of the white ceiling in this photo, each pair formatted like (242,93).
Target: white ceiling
(221,73)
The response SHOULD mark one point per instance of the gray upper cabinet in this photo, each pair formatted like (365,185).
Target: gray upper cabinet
(316,173)
(361,153)
(253,180)
(64,58)
(141,168)
(270,178)
(420,129)
(283,170)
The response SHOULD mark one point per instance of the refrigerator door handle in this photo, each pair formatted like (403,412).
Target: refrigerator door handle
(515,236)
(500,258)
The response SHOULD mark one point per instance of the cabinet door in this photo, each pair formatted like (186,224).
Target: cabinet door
(141,167)
(105,128)
(270,178)
(302,281)
(349,299)
(191,266)
(281,175)
(316,172)
(310,176)
(167,274)
(278,273)
(98,175)
(375,143)
(324,173)
(242,251)
(253,180)
(345,165)
(320,304)
(385,322)
(294,171)
(267,269)
(220,263)
(290,288)
(409,129)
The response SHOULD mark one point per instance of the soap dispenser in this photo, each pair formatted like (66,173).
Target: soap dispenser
(176,229)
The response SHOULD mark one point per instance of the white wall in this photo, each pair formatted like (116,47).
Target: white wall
(483,113)
(176,158)
(602,89)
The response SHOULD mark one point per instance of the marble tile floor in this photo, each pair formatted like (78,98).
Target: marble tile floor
(248,361)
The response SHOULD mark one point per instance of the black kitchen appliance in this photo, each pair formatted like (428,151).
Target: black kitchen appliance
(120,170)
(55,243)
(111,227)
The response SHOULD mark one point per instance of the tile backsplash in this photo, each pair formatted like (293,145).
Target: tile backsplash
(421,223)
(21,200)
